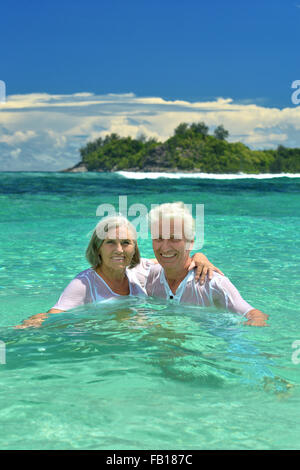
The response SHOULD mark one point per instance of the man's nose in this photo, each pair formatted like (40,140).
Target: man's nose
(165,244)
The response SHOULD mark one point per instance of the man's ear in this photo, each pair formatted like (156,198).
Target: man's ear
(189,245)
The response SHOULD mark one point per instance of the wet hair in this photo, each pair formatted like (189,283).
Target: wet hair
(171,211)
(99,235)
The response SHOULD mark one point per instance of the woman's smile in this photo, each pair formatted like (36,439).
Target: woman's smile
(116,253)
(118,258)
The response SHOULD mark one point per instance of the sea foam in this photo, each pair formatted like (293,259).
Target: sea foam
(153,175)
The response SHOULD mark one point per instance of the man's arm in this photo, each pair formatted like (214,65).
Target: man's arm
(226,295)
(256,318)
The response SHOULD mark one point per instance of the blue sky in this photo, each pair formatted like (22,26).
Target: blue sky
(188,51)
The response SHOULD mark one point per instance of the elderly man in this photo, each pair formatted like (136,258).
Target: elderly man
(173,233)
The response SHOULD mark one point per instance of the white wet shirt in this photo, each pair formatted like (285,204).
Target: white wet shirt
(88,287)
(218,291)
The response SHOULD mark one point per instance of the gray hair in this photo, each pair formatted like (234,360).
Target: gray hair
(176,211)
(100,234)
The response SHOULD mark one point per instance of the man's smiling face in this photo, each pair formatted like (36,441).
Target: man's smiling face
(170,246)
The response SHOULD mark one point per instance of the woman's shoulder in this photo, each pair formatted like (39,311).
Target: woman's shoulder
(85,274)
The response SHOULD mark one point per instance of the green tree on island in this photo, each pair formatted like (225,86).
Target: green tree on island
(190,148)
(221,133)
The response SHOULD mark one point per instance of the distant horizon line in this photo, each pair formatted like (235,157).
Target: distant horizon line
(179,174)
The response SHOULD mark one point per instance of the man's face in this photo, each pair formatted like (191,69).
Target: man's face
(170,250)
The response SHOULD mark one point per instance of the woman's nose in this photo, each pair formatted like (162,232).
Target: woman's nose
(119,247)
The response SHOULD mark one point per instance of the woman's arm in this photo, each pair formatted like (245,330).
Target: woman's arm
(72,296)
(203,267)
(37,320)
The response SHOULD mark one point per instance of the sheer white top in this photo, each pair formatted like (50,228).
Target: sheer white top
(88,287)
(218,291)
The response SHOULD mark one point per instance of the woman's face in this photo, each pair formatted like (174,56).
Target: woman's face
(117,249)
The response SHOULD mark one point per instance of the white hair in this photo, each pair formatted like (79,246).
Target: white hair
(179,213)
(115,222)
(100,233)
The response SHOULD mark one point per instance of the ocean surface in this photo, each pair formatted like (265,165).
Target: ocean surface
(144,373)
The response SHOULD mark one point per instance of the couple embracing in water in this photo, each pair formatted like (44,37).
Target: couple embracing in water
(117,268)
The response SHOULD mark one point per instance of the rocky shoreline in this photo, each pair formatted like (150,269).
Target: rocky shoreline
(81,168)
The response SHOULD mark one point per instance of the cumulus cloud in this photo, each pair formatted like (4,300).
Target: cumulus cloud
(15,153)
(40,131)
(17,137)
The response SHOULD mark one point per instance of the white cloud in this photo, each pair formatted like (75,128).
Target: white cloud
(39,131)
(17,137)
(15,153)
(266,139)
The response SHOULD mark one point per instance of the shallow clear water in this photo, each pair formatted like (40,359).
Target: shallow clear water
(143,373)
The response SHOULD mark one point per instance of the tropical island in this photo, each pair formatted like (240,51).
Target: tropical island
(190,149)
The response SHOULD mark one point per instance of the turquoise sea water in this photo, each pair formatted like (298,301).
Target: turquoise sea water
(145,374)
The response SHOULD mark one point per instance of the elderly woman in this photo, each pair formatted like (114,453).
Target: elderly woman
(116,269)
